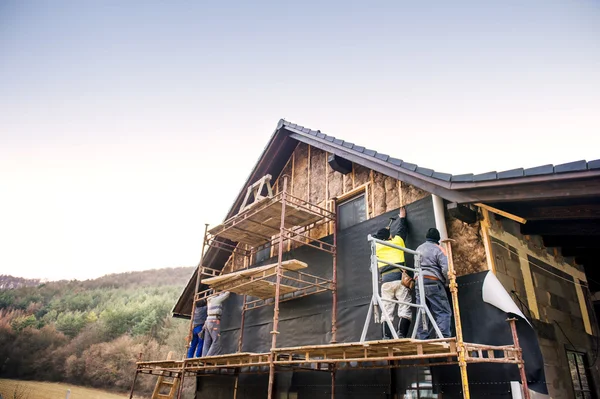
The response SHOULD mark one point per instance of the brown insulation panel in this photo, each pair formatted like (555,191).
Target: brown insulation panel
(286,171)
(411,193)
(300,188)
(379,193)
(392,199)
(238,260)
(335,183)
(318,159)
(362,175)
(348,184)
(468,251)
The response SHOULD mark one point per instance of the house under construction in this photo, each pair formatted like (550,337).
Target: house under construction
(294,251)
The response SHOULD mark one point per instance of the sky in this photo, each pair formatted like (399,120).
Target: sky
(125,126)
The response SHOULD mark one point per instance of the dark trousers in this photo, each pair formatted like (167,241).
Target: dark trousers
(437,302)
(197,342)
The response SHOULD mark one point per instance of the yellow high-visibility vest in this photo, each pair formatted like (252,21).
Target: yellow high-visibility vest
(390,254)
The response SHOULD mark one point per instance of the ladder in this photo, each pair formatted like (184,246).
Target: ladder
(166,382)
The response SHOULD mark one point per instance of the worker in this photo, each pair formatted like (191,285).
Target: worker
(392,287)
(212,327)
(200,314)
(434,268)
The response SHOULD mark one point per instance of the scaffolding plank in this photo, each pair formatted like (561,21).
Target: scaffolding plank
(253,282)
(444,350)
(256,225)
(214,282)
(367,350)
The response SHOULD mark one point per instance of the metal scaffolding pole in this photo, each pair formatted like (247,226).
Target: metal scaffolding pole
(243,321)
(334,283)
(275,332)
(198,278)
(460,343)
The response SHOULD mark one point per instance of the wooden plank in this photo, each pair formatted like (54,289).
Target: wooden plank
(258,228)
(502,213)
(291,264)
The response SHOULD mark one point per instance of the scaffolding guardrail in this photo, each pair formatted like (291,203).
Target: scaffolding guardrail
(423,312)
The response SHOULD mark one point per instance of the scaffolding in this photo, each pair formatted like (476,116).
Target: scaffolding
(274,221)
(423,312)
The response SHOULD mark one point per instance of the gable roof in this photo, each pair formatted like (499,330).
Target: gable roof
(462,188)
(579,178)
(576,166)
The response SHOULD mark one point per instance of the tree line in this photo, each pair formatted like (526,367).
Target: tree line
(91,332)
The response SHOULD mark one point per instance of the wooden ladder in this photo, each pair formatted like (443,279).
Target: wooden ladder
(164,381)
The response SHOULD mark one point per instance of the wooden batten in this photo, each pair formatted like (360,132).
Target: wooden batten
(352,193)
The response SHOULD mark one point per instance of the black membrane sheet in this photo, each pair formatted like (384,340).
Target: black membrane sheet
(307,321)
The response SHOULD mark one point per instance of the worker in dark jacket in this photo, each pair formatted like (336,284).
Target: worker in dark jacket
(391,276)
(200,314)
(434,267)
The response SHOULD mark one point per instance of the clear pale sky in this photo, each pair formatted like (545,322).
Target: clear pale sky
(125,126)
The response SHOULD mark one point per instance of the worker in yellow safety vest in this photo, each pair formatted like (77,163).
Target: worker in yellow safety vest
(393,287)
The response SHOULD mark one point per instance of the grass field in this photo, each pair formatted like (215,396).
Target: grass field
(51,390)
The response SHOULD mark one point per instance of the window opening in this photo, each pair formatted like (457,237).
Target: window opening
(579,375)
(352,211)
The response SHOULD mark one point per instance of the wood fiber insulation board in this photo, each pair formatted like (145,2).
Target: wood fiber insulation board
(300,189)
(335,182)
(379,193)
(362,175)
(411,194)
(287,170)
(318,161)
(392,199)
(348,180)
(468,251)
(238,260)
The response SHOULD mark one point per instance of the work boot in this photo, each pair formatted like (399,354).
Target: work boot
(387,333)
(403,327)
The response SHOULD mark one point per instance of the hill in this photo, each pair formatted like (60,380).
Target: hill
(91,332)
(10,282)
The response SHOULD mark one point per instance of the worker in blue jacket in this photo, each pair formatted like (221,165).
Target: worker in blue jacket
(199,318)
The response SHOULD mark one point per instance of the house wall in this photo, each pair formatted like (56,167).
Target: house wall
(312,179)
(307,320)
(552,293)
(550,290)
